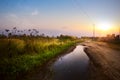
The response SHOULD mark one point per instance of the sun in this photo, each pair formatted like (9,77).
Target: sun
(104,26)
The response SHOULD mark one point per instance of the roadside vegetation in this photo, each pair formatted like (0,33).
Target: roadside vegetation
(22,53)
(113,41)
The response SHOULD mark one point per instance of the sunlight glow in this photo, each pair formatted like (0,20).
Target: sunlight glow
(104,26)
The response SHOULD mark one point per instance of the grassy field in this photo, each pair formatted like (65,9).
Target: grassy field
(22,55)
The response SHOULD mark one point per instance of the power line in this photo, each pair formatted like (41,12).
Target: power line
(83,11)
(88,16)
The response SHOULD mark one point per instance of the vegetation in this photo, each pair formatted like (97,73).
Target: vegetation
(21,54)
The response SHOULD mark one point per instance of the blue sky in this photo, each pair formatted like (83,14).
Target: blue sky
(54,17)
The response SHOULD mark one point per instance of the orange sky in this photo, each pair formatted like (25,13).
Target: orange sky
(54,17)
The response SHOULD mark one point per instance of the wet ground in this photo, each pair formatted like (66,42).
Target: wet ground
(105,60)
(72,66)
(103,64)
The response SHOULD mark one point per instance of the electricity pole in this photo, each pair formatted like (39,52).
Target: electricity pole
(93,31)
(119,32)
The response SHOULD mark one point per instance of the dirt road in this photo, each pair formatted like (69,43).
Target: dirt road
(105,61)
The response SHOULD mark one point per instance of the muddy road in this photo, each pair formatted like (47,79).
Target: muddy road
(105,61)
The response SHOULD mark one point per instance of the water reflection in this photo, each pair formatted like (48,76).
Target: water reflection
(72,66)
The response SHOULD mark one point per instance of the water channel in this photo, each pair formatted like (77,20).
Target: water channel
(72,66)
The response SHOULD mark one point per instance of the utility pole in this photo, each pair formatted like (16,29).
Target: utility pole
(93,31)
(119,32)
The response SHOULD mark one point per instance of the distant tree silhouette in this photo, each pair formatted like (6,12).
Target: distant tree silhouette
(10,34)
(7,30)
(14,31)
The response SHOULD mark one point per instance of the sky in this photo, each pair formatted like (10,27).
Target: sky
(55,17)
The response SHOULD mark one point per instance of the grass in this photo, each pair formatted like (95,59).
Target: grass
(22,55)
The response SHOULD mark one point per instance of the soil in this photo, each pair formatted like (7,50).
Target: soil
(104,61)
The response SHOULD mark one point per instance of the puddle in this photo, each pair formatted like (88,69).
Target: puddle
(72,66)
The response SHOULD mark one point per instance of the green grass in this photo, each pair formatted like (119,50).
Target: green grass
(20,56)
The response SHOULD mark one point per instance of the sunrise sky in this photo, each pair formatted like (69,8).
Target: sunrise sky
(55,17)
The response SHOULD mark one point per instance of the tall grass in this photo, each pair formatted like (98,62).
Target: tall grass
(22,55)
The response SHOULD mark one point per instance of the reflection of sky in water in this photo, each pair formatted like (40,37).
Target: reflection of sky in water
(71,66)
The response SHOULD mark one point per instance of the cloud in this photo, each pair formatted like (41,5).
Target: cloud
(13,15)
(35,12)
